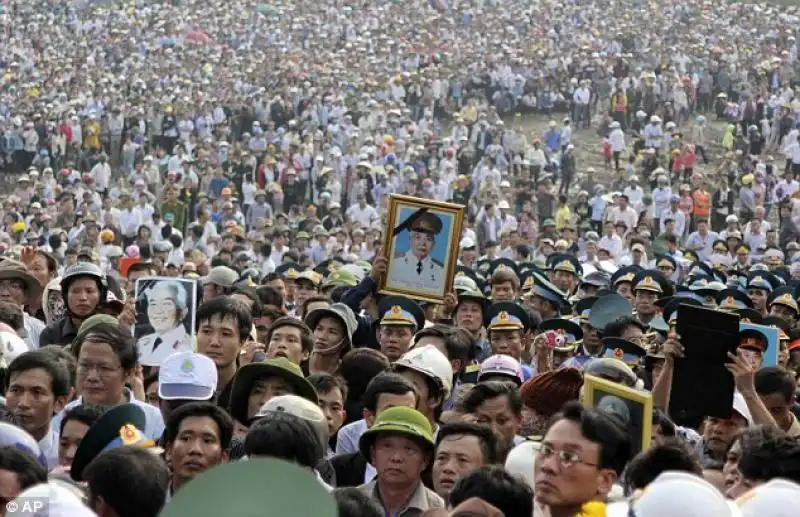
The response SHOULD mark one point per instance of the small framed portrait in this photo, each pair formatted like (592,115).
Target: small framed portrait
(759,356)
(421,245)
(165,314)
(632,408)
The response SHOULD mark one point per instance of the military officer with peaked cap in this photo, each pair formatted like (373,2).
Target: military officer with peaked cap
(546,299)
(782,303)
(732,300)
(624,350)
(622,280)
(592,282)
(759,285)
(667,266)
(603,311)
(649,285)
(416,267)
(506,326)
(400,319)
(565,271)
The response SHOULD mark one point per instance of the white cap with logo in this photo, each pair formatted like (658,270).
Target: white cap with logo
(187,376)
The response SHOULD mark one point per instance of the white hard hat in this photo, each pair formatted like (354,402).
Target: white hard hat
(776,498)
(58,499)
(681,493)
(521,461)
(429,361)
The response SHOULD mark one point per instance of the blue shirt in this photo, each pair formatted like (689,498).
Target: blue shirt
(349,435)
(598,205)
(154,422)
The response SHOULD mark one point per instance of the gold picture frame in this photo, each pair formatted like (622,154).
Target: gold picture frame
(426,278)
(639,406)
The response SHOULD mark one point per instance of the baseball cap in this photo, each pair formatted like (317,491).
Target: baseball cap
(300,407)
(187,376)
(222,276)
(501,364)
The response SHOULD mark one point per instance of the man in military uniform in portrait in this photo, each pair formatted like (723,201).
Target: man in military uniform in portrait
(415,267)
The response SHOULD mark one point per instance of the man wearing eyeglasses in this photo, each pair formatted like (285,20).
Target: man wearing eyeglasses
(580,459)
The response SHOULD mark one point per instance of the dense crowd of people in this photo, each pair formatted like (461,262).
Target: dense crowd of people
(619,166)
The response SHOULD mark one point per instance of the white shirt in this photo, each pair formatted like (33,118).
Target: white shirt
(581,95)
(33,329)
(407,270)
(617,140)
(628,216)
(173,341)
(613,244)
(129,222)
(49,447)
(363,216)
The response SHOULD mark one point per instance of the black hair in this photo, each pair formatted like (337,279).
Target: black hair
(132,481)
(114,335)
(287,437)
(250,293)
(269,295)
(11,315)
(306,340)
(85,413)
(602,429)
(496,486)
(617,327)
(458,342)
(361,365)
(325,383)
(200,409)
(752,436)
(672,454)
(484,391)
(353,502)
(65,357)
(150,379)
(223,307)
(773,458)
(774,379)
(337,292)
(662,420)
(486,437)
(388,382)
(219,261)
(40,359)
(29,472)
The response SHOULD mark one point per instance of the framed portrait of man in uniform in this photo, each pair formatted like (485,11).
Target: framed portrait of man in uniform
(165,314)
(421,245)
(632,408)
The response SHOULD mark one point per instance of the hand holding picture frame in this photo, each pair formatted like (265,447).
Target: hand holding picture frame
(421,246)
(633,408)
